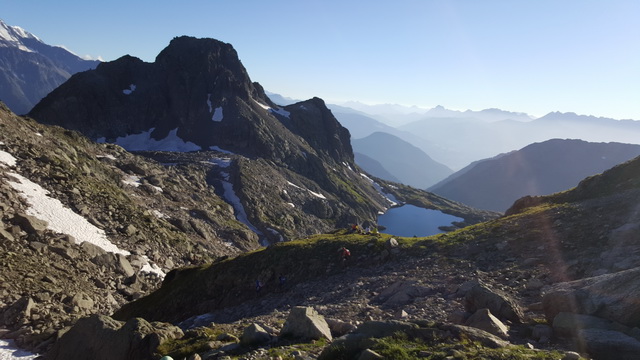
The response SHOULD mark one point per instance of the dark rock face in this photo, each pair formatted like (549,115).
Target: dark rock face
(200,88)
(30,69)
(197,90)
(100,337)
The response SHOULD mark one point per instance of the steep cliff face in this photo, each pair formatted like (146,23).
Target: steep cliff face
(197,96)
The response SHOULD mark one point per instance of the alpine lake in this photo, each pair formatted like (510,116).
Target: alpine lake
(409,220)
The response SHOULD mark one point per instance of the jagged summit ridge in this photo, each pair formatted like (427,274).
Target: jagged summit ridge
(30,69)
(199,90)
(15,36)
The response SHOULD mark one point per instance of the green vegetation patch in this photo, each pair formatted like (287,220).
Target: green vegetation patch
(402,348)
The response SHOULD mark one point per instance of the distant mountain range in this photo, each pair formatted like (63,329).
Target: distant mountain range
(538,169)
(30,69)
(403,161)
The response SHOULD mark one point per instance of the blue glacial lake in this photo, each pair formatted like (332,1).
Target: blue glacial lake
(408,220)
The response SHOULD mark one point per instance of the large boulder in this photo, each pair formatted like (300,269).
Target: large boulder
(29,223)
(304,322)
(480,296)
(484,320)
(473,334)
(18,312)
(569,324)
(255,334)
(608,344)
(99,337)
(615,297)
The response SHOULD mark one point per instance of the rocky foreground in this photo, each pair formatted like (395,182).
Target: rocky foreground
(555,278)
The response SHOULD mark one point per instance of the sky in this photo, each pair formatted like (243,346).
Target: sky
(540,56)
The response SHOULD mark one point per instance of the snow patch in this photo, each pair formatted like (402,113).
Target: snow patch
(294,185)
(217,114)
(234,200)
(222,162)
(291,204)
(152,268)
(281,111)
(9,351)
(131,89)
(389,197)
(318,195)
(132,180)
(266,107)
(144,142)
(7,159)
(63,220)
(108,156)
(159,214)
(60,218)
(209,104)
(216,148)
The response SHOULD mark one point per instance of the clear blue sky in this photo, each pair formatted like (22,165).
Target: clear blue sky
(532,56)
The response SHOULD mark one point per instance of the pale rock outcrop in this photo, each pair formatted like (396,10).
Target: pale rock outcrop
(480,296)
(304,322)
(255,334)
(484,320)
(615,297)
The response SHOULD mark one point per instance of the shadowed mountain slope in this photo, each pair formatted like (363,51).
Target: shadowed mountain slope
(538,169)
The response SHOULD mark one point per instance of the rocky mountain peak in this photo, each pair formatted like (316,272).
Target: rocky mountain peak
(197,92)
(14,36)
(29,68)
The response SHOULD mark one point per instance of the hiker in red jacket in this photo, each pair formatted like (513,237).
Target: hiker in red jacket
(343,254)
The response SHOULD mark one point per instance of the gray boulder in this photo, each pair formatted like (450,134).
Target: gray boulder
(304,322)
(255,334)
(612,296)
(609,345)
(484,320)
(473,334)
(480,296)
(569,324)
(542,333)
(19,311)
(29,223)
(99,337)
(91,249)
(339,328)
(115,262)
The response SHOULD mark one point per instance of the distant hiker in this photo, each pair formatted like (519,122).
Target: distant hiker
(259,286)
(343,254)
(354,228)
